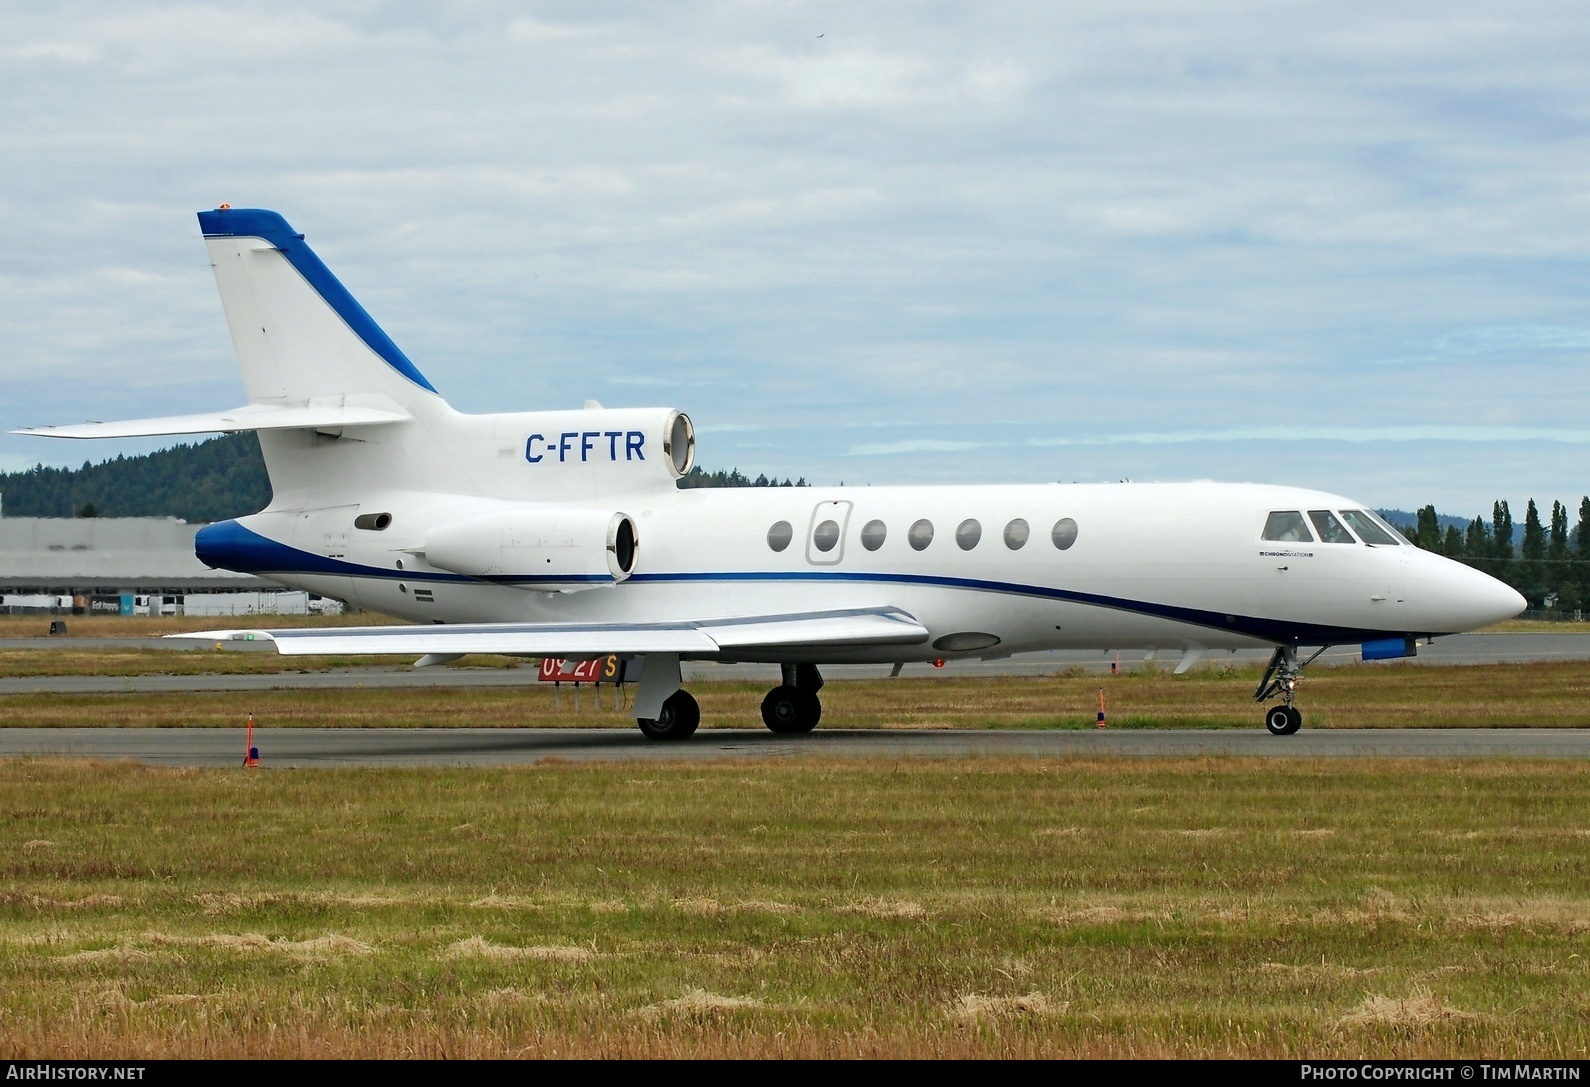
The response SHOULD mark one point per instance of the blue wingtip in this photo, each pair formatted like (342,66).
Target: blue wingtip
(271,227)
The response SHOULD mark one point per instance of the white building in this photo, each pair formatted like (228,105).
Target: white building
(127,565)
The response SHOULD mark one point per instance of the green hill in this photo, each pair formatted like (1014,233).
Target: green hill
(208,481)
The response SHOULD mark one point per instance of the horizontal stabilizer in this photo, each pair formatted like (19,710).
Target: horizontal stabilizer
(249,417)
(700,637)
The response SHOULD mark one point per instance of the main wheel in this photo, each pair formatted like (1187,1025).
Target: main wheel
(678,718)
(789,710)
(1282,720)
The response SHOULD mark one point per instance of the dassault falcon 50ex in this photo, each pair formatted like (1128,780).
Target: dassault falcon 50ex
(563,533)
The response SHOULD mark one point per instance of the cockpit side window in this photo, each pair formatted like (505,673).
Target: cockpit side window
(1330,530)
(1367,525)
(1287,526)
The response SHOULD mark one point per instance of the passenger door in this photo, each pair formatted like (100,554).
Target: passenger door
(825,536)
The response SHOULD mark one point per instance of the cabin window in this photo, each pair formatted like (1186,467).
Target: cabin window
(1369,529)
(921,535)
(826,536)
(1016,534)
(1330,530)
(873,535)
(967,533)
(1064,533)
(779,536)
(1286,526)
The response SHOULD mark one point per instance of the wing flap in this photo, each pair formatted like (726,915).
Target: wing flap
(702,637)
(249,417)
(850,627)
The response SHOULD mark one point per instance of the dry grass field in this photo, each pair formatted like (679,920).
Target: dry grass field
(980,907)
(1391,695)
(1030,908)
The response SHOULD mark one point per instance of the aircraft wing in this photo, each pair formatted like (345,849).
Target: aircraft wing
(695,637)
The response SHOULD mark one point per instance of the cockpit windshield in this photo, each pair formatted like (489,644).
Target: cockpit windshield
(1330,530)
(1287,526)
(1371,529)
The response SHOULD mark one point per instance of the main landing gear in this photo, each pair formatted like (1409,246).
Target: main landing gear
(1280,681)
(678,719)
(793,706)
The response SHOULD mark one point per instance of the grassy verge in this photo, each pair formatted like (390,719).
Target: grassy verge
(1537,626)
(1394,695)
(1209,908)
(67,661)
(146,626)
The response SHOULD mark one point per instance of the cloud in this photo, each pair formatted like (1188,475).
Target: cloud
(1358,435)
(1214,230)
(914,445)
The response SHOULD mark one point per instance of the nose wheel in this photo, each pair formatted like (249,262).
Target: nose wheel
(1280,681)
(1283,720)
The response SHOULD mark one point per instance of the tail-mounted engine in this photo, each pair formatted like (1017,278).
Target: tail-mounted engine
(598,450)
(560,549)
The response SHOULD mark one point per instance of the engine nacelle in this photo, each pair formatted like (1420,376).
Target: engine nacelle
(563,549)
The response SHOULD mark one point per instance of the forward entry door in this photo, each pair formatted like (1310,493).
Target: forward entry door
(825,537)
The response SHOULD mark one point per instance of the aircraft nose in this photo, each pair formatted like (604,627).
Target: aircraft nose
(1487,600)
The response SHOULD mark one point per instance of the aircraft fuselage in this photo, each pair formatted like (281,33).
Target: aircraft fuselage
(1169,566)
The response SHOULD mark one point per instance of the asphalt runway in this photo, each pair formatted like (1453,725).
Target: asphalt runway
(1456,649)
(328,748)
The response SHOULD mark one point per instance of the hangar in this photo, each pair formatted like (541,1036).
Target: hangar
(124,565)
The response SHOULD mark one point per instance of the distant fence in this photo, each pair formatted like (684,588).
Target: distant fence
(275,602)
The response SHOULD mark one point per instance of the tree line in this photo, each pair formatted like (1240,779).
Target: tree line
(1550,565)
(696,477)
(206,481)
(212,480)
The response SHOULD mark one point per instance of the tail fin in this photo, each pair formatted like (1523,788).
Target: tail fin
(300,336)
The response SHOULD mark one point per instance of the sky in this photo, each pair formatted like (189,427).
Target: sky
(1341,245)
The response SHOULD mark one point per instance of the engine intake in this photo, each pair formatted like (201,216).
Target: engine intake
(546,549)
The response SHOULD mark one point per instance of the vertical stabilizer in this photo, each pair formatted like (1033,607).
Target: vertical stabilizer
(300,336)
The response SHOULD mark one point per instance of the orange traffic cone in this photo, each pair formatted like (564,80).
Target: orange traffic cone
(251,755)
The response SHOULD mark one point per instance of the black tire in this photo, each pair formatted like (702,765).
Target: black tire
(790,711)
(679,717)
(811,709)
(1278,719)
(1297,719)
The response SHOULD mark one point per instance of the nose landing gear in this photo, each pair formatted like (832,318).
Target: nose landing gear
(1280,681)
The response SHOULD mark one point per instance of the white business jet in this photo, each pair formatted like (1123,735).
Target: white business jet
(564,534)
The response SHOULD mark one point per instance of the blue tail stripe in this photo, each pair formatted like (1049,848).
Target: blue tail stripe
(230,546)
(271,227)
